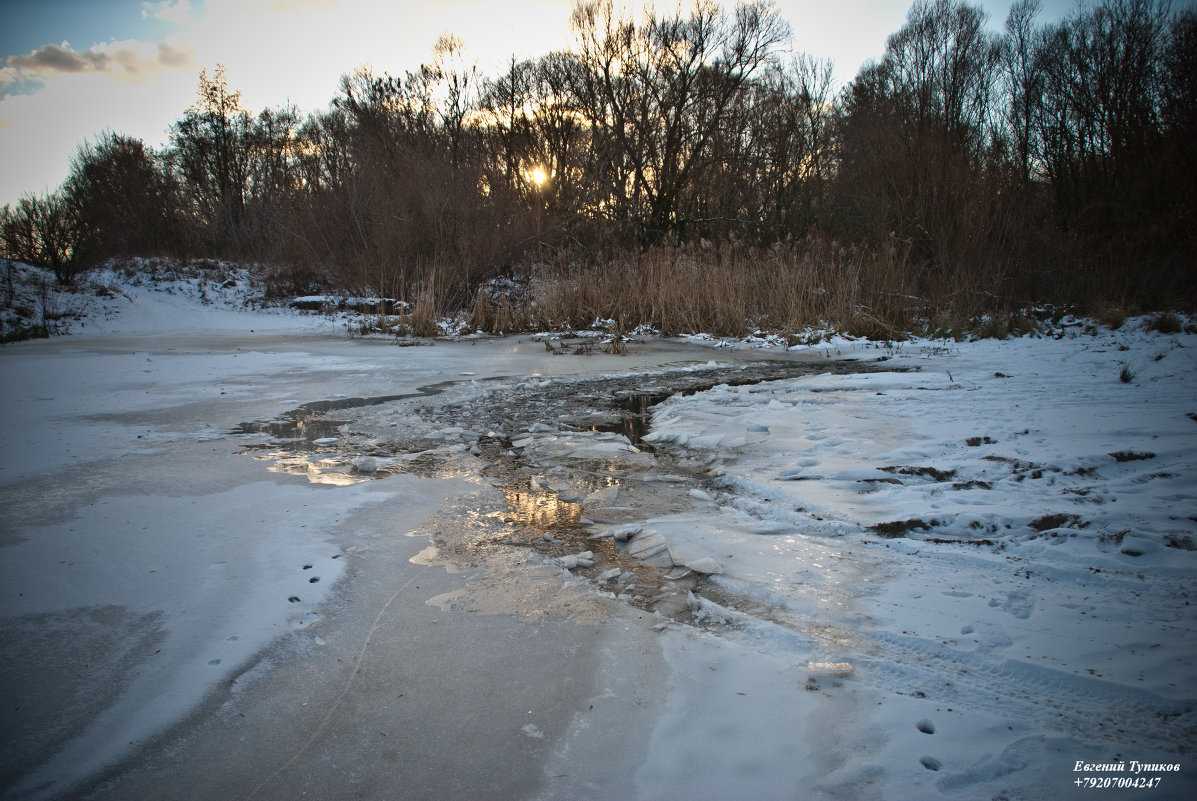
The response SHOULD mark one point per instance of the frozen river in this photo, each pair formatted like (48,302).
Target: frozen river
(817,574)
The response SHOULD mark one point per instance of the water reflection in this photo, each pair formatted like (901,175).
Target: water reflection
(541,508)
(297,430)
(335,472)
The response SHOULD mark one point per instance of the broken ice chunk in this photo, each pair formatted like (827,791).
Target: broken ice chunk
(603,497)
(625,532)
(651,548)
(583,559)
(607,575)
(705,565)
(837,670)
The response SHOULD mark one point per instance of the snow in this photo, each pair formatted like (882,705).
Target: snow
(954,574)
(1039,593)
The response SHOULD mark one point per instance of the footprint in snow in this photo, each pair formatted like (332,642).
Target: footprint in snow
(930,763)
(1018,604)
(925,726)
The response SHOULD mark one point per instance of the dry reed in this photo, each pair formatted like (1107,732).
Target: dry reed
(725,290)
(732,289)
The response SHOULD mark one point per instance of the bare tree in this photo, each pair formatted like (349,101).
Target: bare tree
(1101,117)
(1180,122)
(124,201)
(42,231)
(507,127)
(454,84)
(770,162)
(942,61)
(657,93)
(1022,79)
(211,147)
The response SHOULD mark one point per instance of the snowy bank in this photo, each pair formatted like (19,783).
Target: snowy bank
(1000,536)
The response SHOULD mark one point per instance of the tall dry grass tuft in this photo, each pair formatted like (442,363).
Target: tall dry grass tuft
(494,316)
(424,313)
(482,316)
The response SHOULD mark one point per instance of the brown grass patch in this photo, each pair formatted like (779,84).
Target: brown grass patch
(729,290)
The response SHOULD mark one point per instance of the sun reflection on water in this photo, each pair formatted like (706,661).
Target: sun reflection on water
(541,508)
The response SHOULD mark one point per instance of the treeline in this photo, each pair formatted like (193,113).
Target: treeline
(964,172)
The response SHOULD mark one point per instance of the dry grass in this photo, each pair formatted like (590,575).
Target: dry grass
(495,315)
(728,290)
(424,314)
(1165,323)
(731,289)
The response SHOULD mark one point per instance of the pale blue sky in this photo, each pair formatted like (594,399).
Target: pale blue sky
(29,24)
(131,66)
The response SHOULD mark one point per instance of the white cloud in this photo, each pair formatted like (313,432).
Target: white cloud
(8,77)
(178,13)
(129,60)
(292,5)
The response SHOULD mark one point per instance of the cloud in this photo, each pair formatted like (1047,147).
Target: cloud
(60,58)
(177,58)
(299,5)
(129,60)
(178,13)
(9,77)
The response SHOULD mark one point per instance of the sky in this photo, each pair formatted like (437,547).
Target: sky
(73,69)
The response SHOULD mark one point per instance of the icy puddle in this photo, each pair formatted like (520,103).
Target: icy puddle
(576,510)
(906,549)
(579,487)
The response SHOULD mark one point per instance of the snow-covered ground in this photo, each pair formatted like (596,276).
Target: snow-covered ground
(1001,544)
(962,571)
